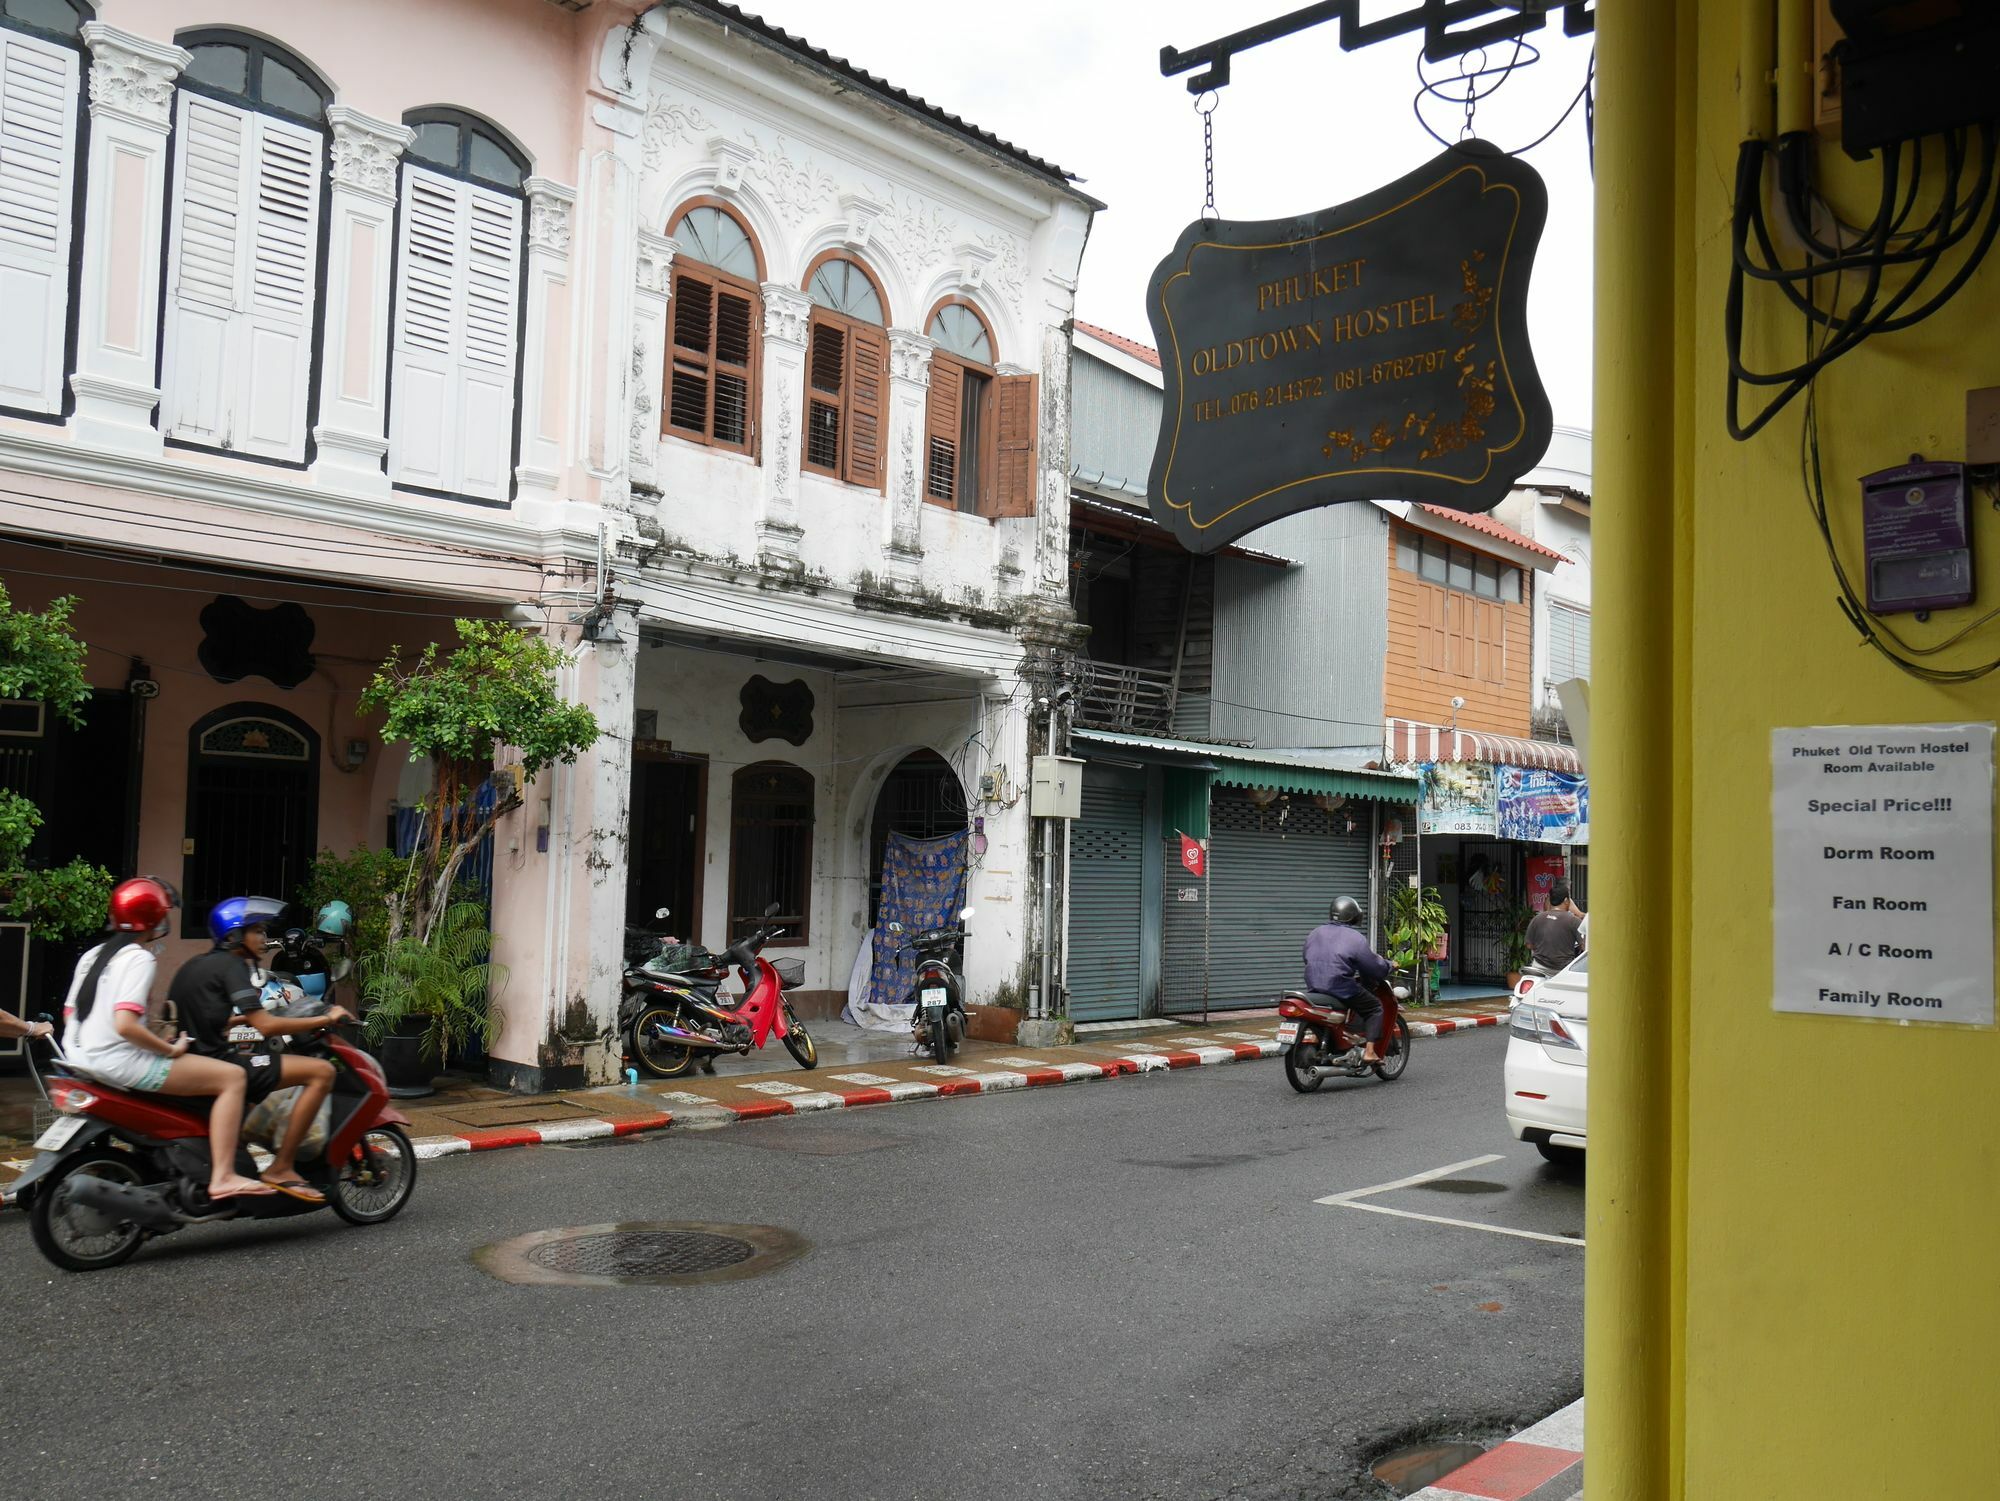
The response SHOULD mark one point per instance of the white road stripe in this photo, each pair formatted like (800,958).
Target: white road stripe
(1352,1200)
(1411,1181)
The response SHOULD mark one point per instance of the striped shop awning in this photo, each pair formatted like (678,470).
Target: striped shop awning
(1406,741)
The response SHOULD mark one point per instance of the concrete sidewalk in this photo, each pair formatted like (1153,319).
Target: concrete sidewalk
(855,1068)
(1542,1463)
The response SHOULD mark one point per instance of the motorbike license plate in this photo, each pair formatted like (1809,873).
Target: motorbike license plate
(57,1136)
(933,997)
(1288,1033)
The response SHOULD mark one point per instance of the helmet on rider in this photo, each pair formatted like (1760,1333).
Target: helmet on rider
(1346,911)
(141,905)
(235,915)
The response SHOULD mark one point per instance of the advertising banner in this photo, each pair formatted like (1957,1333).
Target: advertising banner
(1458,799)
(1543,807)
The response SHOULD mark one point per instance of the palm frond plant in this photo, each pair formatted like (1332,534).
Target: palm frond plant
(441,986)
(1416,923)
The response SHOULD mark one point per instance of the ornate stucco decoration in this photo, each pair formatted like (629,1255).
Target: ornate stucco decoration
(365,151)
(781,472)
(131,76)
(861,213)
(549,209)
(910,356)
(787,315)
(799,188)
(653,265)
(669,122)
(732,160)
(972,259)
(917,233)
(1007,270)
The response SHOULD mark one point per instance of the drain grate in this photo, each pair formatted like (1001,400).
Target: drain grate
(640,1254)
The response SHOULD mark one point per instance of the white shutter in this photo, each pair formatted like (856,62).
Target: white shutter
(38,92)
(243,259)
(457,337)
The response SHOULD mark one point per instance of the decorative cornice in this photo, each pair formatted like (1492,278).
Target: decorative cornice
(862,214)
(549,208)
(732,159)
(132,78)
(653,266)
(973,258)
(910,356)
(365,151)
(787,315)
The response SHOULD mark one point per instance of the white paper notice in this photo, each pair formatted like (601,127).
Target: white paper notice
(1882,871)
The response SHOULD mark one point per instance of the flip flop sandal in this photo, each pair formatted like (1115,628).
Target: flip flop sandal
(304,1192)
(242,1193)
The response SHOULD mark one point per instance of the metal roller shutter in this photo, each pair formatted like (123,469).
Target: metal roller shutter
(1106,892)
(1272,872)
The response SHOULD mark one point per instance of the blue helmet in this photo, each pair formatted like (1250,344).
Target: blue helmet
(334,920)
(233,914)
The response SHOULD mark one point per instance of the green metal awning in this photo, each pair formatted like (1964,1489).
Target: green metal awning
(1280,771)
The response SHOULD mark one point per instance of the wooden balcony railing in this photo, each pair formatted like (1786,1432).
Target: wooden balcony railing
(1125,700)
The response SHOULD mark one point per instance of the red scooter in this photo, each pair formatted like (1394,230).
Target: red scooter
(1324,1041)
(119,1167)
(677,1023)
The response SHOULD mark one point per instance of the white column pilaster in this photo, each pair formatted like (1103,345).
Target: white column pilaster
(546,345)
(909,391)
(124,225)
(350,431)
(653,282)
(787,326)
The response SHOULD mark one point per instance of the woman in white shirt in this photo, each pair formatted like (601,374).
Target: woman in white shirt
(105,1030)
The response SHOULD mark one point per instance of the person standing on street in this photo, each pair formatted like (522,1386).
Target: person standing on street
(1555,935)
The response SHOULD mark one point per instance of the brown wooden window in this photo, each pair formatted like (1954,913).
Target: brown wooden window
(979,426)
(713,349)
(847,374)
(770,851)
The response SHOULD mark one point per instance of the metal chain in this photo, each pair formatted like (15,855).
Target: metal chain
(1468,74)
(1207,151)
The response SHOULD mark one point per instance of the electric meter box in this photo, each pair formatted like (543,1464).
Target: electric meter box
(1055,788)
(1917,536)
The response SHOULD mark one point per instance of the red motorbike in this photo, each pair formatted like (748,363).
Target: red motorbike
(119,1167)
(677,1021)
(1324,1041)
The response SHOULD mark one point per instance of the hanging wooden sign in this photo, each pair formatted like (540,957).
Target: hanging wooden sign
(1377,350)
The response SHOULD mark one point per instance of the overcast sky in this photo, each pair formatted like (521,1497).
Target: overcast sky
(1301,126)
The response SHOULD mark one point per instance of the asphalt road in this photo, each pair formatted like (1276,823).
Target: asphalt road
(1120,1289)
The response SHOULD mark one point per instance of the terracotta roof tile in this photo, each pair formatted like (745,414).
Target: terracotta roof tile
(1144,353)
(1474,521)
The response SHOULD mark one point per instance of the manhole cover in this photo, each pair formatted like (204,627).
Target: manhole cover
(1411,1469)
(629,1255)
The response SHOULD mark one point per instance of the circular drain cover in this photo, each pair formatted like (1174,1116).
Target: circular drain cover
(1411,1469)
(636,1254)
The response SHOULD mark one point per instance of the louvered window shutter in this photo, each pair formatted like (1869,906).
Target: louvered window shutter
(1014,448)
(451,426)
(713,361)
(941,432)
(38,127)
(694,337)
(826,378)
(866,414)
(244,262)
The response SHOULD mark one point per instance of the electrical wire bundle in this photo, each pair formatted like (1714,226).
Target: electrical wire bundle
(1893,261)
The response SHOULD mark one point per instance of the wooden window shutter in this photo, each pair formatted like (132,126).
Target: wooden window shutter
(734,421)
(204,266)
(428,264)
(38,129)
(826,386)
(270,380)
(867,381)
(1014,449)
(688,383)
(489,342)
(712,363)
(942,432)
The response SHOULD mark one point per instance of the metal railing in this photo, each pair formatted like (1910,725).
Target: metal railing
(1125,700)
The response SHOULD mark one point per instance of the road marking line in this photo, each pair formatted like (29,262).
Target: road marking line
(1351,1199)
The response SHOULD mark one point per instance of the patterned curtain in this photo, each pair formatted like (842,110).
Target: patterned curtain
(923,886)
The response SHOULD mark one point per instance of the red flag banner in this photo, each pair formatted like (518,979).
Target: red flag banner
(1194,856)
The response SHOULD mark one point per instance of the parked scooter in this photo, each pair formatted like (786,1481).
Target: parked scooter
(937,997)
(120,1167)
(681,1019)
(1322,1042)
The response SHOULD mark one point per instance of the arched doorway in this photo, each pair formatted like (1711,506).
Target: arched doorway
(252,808)
(920,799)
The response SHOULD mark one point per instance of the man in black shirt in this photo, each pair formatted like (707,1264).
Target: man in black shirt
(221,1009)
(1552,934)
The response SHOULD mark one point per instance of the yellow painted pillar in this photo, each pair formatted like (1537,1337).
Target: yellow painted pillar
(1639,430)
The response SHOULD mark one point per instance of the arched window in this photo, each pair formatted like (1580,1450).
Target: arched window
(252,808)
(456,347)
(243,248)
(712,366)
(770,850)
(847,371)
(958,418)
(41,71)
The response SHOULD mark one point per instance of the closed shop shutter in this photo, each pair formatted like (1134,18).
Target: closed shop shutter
(1106,895)
(1272,872)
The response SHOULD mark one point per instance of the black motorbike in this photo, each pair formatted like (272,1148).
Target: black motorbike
(937,995)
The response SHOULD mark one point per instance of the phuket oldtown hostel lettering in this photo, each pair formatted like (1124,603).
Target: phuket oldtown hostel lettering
(1882,871)
(1376,350)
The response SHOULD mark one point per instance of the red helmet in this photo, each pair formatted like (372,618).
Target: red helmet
(142,905)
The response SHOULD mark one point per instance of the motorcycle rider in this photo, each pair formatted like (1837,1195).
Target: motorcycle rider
(218,993)
(106,1020)
(1340,965)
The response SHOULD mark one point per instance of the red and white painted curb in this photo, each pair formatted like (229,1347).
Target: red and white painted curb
(778,1096)
(1542,1463)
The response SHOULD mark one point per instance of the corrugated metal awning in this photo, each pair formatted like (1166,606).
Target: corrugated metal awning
(1411,740)
(1280,771)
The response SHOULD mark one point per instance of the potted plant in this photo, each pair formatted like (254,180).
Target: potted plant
(427,998)
(1416,926)
(1518,953)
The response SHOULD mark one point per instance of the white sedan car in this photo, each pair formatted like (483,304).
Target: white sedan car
(1548,1046)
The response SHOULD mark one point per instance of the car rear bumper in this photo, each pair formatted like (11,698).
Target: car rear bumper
(1542,1097)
